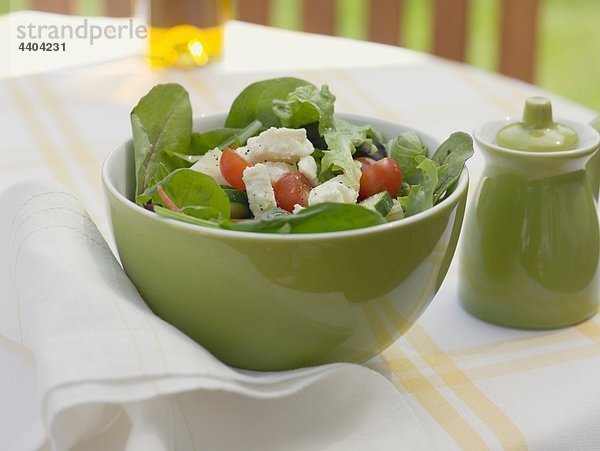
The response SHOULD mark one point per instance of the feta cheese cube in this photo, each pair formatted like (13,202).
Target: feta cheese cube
(308,166)
(242,151)
(336,189)
(261,197)
(278,169)
(278,144)
(209,164)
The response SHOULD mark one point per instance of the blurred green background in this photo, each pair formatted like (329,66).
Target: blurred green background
(568,56)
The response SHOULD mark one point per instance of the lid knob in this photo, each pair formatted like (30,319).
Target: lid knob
(538,132)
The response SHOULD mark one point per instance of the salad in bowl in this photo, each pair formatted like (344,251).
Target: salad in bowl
(284,163)
(282,235)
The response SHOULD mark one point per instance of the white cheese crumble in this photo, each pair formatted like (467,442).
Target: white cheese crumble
(278,169)
(308,166)
(241,151)
(209,164)
(278,144)
(333,190)
(261,197)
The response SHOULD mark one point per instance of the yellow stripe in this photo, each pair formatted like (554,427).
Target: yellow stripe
(509,435)
(424,391)
(590,330)
(82,154)
(501,369)
(529,363)
(518,344)
(31,118)
(505,347)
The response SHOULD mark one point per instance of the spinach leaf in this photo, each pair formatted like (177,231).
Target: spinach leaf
(166,213)
(421,196)
(188,188)
(256,102)
(161,123)
(203,142)
(221,138)
(404,148)
(326,217)
(305,105)
(200,211)
(453,153)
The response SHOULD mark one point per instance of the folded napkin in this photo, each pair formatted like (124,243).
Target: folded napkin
(111,375)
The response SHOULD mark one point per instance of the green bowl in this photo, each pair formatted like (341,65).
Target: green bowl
(277,302)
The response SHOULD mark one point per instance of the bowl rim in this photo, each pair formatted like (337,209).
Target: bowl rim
(460,189)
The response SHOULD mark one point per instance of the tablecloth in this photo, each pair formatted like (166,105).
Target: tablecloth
(471,384)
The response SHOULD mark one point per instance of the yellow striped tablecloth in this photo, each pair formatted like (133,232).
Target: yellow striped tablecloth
(472,385)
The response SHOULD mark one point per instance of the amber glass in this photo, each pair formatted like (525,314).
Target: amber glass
(186,33)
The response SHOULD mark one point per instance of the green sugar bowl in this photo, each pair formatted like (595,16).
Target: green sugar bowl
(530,254)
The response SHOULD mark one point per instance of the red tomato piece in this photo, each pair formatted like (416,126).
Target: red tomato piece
(232,167)
(291,189)
(383,175)
(364,162)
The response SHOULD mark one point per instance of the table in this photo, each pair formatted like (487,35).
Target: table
(472,385)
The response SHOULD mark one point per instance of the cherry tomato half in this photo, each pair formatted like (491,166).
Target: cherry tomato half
(291,189)
(364,162)
(383,175)
(232,168)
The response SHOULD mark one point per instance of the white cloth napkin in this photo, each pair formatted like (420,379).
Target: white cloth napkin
(111,375)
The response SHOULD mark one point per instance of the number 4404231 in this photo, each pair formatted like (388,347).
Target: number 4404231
(42,46)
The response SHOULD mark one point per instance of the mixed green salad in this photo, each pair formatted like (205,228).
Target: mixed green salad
(283,163)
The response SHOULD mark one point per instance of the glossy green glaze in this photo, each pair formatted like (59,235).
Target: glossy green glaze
(537,132)
(273,302)
(531,249)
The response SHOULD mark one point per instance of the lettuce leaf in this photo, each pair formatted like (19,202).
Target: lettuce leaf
(342,139)
(404,148)
(305,105)
(437,175)
(421,196)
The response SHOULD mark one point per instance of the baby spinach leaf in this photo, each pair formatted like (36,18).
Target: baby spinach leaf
(166,213)
(200,211)
(453,153)
(203,142)
(221,138)
(326,217)
(188,188)
(404,148)
(161,123)
(306,104)
(256,102)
